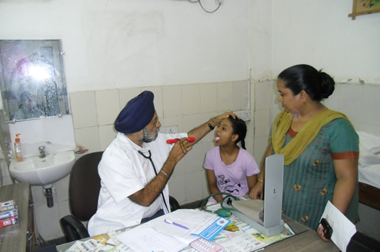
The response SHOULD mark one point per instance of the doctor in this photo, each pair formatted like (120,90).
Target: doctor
(137,165)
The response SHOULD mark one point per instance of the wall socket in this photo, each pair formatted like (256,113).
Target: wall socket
(171,129)
(245,115)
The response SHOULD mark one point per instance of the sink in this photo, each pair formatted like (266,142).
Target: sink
(43,171)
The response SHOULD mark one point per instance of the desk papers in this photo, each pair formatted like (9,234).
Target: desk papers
(145,238)
(241,237)
(199,223)
(238,236)
(100,243)
(158,235)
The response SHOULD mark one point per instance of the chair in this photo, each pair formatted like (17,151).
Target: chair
(84,188)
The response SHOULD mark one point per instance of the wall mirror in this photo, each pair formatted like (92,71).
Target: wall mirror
(32,79)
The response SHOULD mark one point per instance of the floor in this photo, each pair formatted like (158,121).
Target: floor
(359,242)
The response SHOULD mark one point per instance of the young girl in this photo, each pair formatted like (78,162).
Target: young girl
(230,169)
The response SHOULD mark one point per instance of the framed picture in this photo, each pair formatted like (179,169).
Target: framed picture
(361,7)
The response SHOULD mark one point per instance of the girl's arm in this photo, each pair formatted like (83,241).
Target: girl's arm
(212,186)
(251,180)
(257,192)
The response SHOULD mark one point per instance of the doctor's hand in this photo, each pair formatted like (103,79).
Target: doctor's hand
(215,121)
(180,149)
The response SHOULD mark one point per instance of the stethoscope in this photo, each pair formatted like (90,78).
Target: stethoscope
(154,169)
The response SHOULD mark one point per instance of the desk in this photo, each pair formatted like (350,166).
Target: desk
(305,239)
(20,236)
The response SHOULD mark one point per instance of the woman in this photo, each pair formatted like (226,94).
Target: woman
(320,148)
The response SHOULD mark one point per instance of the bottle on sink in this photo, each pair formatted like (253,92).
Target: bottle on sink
(17,149)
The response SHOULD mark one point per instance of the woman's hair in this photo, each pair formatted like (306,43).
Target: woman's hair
(317,84)
(240,128)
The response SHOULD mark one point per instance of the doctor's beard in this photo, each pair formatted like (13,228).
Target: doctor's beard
(149,136)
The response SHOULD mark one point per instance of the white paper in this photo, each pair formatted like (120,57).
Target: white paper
(196,221)
(343,229)
(144,238)
(160,225)
(85,246)
(242,243)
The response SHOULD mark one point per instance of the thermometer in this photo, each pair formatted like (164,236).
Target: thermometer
(189,139)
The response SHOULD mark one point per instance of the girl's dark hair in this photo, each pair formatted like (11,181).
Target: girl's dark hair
(240,128)
(317,84)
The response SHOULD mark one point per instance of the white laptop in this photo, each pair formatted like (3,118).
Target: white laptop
(265,215)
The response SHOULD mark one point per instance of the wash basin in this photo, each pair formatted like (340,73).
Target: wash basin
(43,171)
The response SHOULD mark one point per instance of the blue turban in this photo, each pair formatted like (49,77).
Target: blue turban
(137,114)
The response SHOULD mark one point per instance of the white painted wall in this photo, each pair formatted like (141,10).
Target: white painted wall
(261,41)
(321,34)
(121,44)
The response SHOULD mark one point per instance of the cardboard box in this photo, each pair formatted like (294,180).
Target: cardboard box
(8,214)
(7,205)
(9,221)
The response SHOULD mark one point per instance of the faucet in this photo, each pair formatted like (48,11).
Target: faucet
(42,151)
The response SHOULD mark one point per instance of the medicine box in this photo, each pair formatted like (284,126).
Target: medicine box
(8,214)
(9,221)
(7,205)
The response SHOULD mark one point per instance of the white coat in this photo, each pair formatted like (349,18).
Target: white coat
(122,175)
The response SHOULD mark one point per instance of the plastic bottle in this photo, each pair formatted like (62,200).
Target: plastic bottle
(18,150)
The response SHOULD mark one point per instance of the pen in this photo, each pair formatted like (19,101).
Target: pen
(175,224)
(189,139)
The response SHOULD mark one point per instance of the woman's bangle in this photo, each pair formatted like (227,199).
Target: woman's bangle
(164,173)
(210,126)
(262,181)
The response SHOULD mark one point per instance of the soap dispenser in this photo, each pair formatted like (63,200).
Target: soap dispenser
(18,151)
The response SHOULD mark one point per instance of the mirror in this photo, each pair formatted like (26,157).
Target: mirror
(32,79)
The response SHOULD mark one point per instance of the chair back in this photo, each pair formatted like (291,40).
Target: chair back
(84,186)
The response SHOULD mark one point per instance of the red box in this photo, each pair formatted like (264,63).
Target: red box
(9,221)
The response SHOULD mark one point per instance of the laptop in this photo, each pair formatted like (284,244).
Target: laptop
(265,215)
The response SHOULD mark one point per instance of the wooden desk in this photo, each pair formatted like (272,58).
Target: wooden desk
(20,236)
(305,239)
